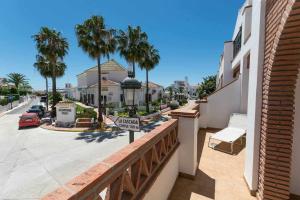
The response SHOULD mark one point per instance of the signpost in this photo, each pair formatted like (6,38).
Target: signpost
(128,123)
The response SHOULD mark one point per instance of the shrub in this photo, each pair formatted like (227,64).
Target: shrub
(3,102)
(183,102)
(58,97)
(4,91)
(85,112)
(16,97)
(173,106)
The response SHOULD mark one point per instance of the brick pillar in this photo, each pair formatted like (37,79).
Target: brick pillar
(282,59)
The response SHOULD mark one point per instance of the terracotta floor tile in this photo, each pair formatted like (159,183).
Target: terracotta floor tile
(219,175)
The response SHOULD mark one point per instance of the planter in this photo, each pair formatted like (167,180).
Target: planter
(84,122)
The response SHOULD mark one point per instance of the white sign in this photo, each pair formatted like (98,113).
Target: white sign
(130,124)
(65,112)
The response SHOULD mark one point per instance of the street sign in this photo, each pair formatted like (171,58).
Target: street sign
(129,124)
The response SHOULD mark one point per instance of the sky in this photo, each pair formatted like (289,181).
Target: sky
(189,34)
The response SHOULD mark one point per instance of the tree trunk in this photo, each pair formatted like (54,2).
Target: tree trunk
(54,96)
(133,69)
(100,118)
(47,104)
(147,91)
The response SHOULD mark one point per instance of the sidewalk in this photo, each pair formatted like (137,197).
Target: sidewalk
(18,106)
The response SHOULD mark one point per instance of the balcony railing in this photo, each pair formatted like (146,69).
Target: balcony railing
(127,174)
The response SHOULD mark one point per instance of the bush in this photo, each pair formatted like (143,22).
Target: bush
(4,91)
(183,102)
(174,106)
(85,112)
(16,97)
(58,97)
(3,102)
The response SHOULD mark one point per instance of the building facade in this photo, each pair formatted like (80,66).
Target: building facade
(112,74)
(258,75)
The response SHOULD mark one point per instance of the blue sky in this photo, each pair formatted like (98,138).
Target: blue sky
(188,33)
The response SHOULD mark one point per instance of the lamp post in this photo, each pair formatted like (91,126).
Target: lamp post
(129,86)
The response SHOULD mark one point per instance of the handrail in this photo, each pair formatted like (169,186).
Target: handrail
(127,174)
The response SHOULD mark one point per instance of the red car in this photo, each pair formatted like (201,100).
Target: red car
(29,119)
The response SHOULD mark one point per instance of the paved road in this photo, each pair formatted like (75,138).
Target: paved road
(35,161)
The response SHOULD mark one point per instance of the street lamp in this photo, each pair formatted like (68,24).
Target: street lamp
(129,86)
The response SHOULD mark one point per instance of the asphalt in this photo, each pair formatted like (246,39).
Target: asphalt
(35,161)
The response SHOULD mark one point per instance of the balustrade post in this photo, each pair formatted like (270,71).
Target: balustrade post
(188,118)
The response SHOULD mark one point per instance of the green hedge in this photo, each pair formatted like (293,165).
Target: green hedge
(85,112)
(3,102)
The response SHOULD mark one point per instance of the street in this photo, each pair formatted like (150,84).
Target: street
(35,161)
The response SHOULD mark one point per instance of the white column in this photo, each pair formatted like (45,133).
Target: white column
(255,94)
(187,135)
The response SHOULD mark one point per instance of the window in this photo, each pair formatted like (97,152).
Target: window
(237,43)
(248,61)
(92,99)
(236,72)
(104,88)
(89,98)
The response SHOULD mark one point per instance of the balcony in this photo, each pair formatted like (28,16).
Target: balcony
(171,162)
(219,175)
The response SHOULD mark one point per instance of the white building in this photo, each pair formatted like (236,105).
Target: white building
(258,75)
(71,92)
(183,88)
(112,74)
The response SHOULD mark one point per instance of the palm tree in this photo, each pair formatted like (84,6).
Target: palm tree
(97,42)
(170,89)
(52,48)
(42,65)
(149,61)
(130,45)
(17,79)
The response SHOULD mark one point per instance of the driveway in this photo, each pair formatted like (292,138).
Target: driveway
(34,161)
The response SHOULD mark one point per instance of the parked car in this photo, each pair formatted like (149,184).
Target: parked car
(43,99)
(37,111)
(42,108)
(29,119)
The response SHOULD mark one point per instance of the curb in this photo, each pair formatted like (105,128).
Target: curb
(19,106)
(71,131)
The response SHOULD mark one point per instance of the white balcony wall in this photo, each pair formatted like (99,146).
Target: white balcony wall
(164,183)
(295,177)
(220,105)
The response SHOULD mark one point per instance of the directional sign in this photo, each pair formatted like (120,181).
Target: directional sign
(129,124)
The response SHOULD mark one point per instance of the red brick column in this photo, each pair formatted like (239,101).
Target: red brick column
(282,59)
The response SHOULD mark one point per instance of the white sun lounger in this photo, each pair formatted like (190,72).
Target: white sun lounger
(236,129)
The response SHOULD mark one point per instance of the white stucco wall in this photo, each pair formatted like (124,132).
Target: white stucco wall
(187,136)
(220,106)
(295,174)
(163,185)
(228,54)
(92,77)
(255,94)
(203,119)
(117,76)
(81,81)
